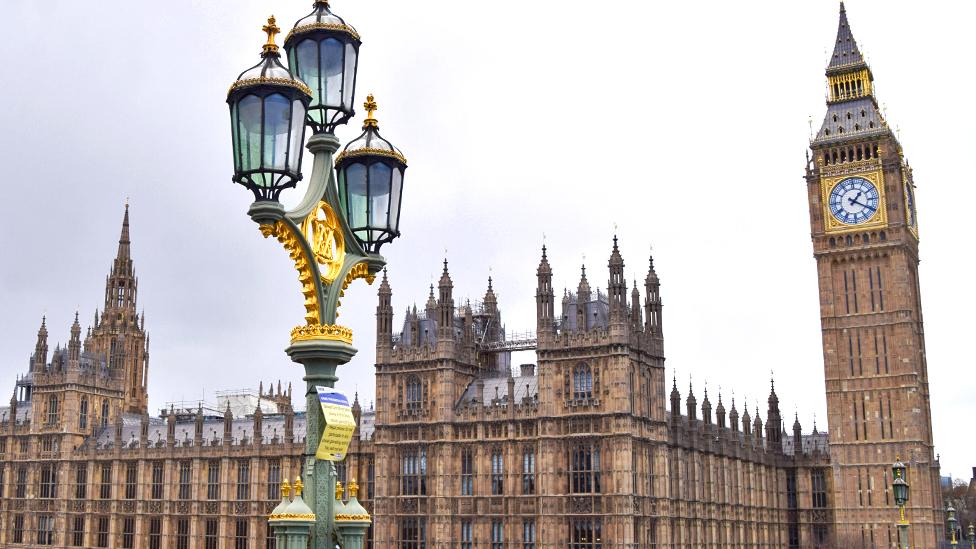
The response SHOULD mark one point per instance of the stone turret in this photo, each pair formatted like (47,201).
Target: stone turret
(582,297)
(39,358)
(617,287)
(74,344)
(198,427)
(797,436)
(720,412)
(384,318)
(675,402)
(228,426)
(258,425)
(171,428)
(692,404)
(774,423)
(445,306)
(706,409)
(544,298)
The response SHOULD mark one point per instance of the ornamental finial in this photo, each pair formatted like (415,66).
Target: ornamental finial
(353,488)
(338,491)
(272,29)
(285,488)
(370,106)
(298,486)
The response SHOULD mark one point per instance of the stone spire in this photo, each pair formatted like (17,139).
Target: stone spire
(720,411)
(39,359)
(431,306)
(171,428)
(757,427)
(258,427)
(544,297)
(733,416)
(74,344)
(746,424)
(774,422)
(445,305)
(692,404)
(120,286)
(198,427)
(636,317)
(617,286)
(582,298)
(706,409)
(675,401)
(490,304)
(228,426)
(652,304)
(797,435)
(384,316)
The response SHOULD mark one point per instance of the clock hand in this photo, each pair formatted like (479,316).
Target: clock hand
(862,204)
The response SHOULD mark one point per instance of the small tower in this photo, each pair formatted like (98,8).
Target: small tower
(774,423)
(228,426)
(636,317)
(39,358)
(582,298)
(653,322)
(544,298)
(617,287)
(692,404)
(706,409)
(384,319)
(675,402)
(757,428)
(797,436)
(734,417)
(171,428)
(74,344)
(198,427)
(258,426)
(746,426)
(445,306)
(720,412)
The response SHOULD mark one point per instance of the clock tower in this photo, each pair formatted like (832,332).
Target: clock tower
(865,241)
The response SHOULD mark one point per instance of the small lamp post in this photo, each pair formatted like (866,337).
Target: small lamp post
(953,522)
(972,536)
(901,491)
(334,234)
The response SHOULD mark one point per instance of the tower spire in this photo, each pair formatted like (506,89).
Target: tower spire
(846,51)
(124,238)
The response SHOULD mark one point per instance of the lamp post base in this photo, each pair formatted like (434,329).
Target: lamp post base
(321,358)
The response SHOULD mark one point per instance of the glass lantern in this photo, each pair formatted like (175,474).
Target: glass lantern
(370,173)
(900,489)
(323,51)
(267,113)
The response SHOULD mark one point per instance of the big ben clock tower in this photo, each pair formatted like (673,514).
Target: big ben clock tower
(865,240)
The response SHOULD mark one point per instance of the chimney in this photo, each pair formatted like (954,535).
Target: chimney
(527,370)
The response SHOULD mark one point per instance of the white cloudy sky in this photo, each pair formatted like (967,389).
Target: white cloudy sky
(683,124)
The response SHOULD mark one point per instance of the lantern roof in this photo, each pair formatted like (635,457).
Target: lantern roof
(269,71)
(370,142)
(321,19)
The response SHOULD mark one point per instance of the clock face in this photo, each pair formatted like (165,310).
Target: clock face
(910,202)
(854,200)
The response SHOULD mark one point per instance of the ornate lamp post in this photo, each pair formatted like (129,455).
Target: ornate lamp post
(951,519)
(335,233)
(972,536)
(901,490)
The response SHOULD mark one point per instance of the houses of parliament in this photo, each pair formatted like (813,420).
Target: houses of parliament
(589,448)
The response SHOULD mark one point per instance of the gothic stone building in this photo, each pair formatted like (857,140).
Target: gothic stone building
(584,449)
(82,464)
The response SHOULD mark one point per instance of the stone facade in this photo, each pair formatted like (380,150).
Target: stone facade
(578,450)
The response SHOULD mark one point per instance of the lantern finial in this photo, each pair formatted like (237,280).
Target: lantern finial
(370,106)
(272,29)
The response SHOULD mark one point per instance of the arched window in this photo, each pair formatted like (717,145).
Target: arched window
(83,414)
(104,418)
(52,409)
(414,392)
(582,382)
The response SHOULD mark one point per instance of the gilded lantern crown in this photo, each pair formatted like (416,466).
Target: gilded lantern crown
(270,71)
(370,175)
(323,51)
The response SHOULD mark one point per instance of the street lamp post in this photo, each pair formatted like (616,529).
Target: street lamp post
(972,536)
(953,522)
(335,233)
(901,491)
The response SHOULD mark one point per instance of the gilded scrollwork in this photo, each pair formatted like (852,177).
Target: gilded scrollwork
(281,231)
(324,235)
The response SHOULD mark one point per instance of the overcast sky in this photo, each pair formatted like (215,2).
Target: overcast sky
(682,124)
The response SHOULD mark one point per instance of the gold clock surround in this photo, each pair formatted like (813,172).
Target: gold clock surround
(880,217)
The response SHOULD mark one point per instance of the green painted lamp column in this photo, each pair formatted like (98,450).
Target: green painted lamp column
(335,233)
